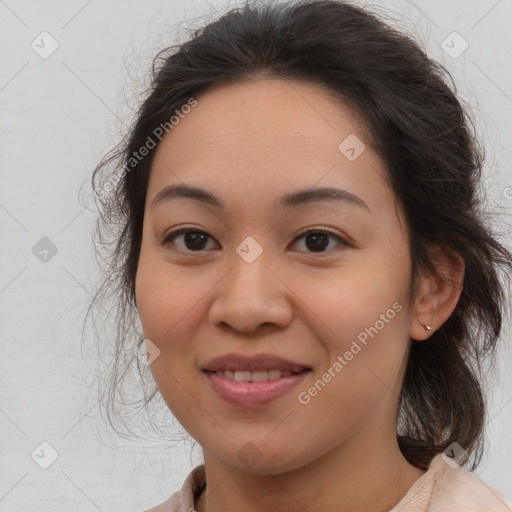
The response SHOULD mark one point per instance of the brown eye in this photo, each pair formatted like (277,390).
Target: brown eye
(194,240)
(316,240)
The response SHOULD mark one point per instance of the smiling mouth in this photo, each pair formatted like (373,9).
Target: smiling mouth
(250,389)
(256,376)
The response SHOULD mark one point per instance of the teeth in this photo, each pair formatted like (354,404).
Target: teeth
(243,376)
(254,376)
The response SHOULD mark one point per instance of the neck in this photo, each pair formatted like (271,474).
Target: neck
(356,477)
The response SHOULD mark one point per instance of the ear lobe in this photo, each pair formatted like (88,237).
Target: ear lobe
(438,293)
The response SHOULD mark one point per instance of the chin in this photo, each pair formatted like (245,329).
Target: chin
(252,460)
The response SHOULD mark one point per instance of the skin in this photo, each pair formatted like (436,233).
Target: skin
(250,144)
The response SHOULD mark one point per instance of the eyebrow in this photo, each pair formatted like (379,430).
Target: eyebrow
(291,200)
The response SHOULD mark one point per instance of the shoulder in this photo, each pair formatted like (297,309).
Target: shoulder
(183,500)
(457,489)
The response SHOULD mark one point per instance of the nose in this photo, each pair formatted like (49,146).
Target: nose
(250,296)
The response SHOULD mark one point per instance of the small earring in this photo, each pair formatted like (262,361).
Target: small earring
(428,327)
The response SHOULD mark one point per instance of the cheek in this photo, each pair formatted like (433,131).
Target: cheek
(359,379)
(164,311)
(166,299)
(354,298)
(169,303)
(366,312)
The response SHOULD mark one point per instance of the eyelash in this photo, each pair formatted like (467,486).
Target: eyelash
(189,229)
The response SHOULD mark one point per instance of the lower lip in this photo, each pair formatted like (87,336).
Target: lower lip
(252,394)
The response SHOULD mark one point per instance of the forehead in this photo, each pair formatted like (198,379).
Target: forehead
(262,139)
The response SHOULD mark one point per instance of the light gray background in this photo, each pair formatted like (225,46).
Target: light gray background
(59,115)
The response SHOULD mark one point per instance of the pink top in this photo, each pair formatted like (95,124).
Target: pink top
(442,488)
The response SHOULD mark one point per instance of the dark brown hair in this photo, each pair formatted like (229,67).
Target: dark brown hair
(425,138)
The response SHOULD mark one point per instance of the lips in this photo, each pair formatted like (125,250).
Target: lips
(252,381)
(252,394)
(253,364)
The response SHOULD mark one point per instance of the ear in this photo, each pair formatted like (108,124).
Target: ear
(437,294)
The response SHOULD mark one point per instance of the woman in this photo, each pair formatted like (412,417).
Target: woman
(303,243)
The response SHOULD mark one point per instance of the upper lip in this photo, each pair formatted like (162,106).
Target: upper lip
(260,362)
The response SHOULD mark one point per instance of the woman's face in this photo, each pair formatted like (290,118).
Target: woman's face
(334,301)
